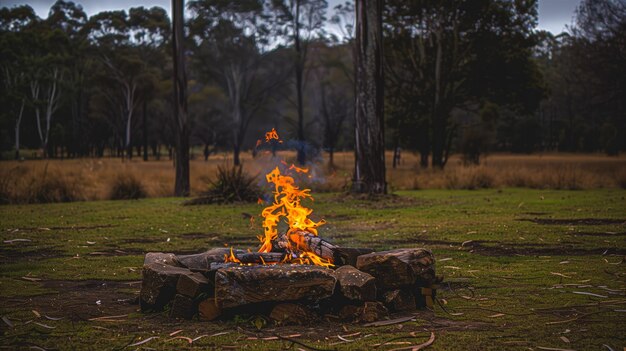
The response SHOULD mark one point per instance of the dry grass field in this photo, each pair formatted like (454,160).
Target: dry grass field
(94,179)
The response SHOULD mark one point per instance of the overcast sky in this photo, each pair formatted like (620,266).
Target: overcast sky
(554,15)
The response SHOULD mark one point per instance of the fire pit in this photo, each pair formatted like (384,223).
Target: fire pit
(296,276)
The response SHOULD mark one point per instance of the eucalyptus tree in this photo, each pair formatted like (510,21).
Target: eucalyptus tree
(369,151)
(232,51)
(299,23)
(14,24)
(127,47)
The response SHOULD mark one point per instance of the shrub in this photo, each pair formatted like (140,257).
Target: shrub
(232,185)
(127,187)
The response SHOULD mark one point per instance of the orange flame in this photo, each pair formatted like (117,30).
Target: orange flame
(298,169)
(288,206)
(272,134)
(231,257)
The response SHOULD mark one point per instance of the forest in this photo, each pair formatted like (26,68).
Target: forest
(461,77)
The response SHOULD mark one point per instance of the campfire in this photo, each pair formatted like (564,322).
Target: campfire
(295,276)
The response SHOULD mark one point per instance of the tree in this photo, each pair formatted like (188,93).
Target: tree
(457,55)
(129,49)
(232,52)
(181,124)
(334,87)
(298,21)
(14,24)
(600,47)
(369,169)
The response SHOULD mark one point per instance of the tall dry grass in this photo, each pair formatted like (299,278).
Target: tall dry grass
(93,179)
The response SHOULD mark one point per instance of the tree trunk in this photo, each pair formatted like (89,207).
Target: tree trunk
(236,150)
(18,122)
(181,186)
(145,130)
(369,170)
(299,72)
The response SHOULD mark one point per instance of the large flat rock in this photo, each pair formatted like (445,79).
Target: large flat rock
(399,268)
(158,285)
(242,285)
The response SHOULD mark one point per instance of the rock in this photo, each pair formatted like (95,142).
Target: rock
(162,258)
(192,285)
(350,313)
(241,285)
(201,262)
(292,314)
(400,300)
(158,285)
(208,309)
(182,307)
(399,268)
(372,311)
(356,285)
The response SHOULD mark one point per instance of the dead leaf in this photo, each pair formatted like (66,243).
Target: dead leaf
(144,341)
(566,340)
(7,321)
(16,241)
(176,332)
(497,315)
(589,294)
(389,322)
(422,346)
(44,325)
(107,318)
(36,314)
(344,339)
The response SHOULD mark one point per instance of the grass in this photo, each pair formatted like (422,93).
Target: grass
(96,179)
(509,282)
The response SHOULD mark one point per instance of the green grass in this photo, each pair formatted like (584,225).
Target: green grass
(508,284)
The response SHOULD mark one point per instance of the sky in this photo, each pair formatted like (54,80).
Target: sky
(554,15)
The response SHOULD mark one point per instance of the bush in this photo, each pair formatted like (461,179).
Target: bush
(231,185)
(127,187)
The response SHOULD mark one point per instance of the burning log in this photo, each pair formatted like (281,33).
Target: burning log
(399,268)
(202,262)
(308,242)
(238,286)
(260,257)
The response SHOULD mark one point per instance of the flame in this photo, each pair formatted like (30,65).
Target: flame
(232,257)
(298,169)
(272,134)
(287,206)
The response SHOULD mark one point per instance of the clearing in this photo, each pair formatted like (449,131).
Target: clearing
(523,269)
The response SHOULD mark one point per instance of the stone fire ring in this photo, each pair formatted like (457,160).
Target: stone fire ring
(203,285)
